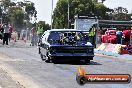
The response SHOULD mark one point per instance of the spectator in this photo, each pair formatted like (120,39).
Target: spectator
(18,33)
(6,35)
(1,32)
(119,37)
(33,36)
(10,31)
(28,34)
(126,34)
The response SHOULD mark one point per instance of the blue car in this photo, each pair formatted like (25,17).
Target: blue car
(65,44)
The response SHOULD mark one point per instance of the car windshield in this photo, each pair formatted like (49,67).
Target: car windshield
(67,36)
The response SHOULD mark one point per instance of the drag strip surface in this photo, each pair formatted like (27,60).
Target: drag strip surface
(27,62)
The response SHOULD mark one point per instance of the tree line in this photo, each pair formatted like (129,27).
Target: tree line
(85,7)
(22,14)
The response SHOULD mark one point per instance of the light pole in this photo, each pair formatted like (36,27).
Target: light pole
(51,14)
(68,14)
(1,12)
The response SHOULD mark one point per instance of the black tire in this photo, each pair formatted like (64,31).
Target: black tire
(47,60)
(54,61)
(42,57)
(87,61)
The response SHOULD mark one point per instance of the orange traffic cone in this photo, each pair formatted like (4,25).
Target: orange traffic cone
(81,71)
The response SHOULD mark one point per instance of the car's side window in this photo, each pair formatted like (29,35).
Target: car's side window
(45,36)
(54,36)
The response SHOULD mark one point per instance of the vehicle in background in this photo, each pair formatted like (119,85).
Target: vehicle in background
(109,37)
(56,44)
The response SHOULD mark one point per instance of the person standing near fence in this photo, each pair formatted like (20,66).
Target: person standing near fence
(6,35)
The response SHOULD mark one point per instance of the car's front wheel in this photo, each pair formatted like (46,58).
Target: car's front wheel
(47,58)
(54,60)
(42,57)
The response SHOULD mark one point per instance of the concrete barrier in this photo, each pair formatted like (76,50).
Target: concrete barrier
(115,48)
(110,48)
(102,46)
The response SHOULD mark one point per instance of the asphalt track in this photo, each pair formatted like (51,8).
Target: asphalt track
(23,64)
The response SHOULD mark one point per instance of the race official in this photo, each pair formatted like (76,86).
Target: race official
(92,36)
(40,31)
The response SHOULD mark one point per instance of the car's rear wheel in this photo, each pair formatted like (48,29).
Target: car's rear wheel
(87,61)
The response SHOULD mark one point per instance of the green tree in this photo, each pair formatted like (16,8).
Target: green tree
(16,16)
(19,14)
(80,7)
(44,25)
(121,13)
(60,15)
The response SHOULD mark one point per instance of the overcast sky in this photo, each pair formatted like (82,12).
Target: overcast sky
(44,7)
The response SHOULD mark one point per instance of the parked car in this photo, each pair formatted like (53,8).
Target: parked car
(65,44)
(109,37)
